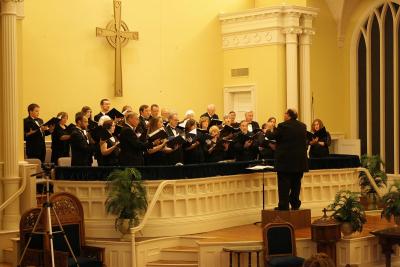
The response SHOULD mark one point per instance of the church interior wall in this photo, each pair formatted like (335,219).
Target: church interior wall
(266,3)
(176,63)
(266,66)
(330,96)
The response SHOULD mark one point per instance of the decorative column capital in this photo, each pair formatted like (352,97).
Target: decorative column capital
(305,37)
(264,26)
(12,7)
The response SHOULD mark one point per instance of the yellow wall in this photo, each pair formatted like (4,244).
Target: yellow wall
(327,82)
(266,71)
(176,63)
(266,3)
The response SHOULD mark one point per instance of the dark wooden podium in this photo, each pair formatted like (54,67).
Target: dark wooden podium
(388,237)
(298,218)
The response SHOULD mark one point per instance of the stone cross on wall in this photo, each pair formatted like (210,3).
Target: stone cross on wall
(117,35)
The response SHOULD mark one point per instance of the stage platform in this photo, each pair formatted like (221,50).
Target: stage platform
(253,232)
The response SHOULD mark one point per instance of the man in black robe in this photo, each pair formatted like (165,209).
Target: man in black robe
(34,134)
(290,159)
(105,105)
(81,149)
(132,146)
(175,156)
(210,114)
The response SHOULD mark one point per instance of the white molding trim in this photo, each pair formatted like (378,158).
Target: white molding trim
(229,90)
(263,26)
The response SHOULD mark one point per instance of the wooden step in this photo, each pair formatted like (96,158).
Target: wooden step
(183,249)
(4,264)
(180,253)
(8,254)
(171,263)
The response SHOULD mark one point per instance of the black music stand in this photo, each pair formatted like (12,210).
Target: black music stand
(263,168)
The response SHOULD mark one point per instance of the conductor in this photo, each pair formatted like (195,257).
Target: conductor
(290,160)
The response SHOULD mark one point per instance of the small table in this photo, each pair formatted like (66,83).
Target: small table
(243,249)
(387,238)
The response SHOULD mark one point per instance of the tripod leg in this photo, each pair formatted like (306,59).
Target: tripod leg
(65,238)
(50,236)
(30,238)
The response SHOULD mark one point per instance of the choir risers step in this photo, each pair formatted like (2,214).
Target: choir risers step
(298,218)
(8,254)
(180,253)
(173,263)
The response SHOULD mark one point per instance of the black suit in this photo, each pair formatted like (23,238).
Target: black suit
(132,148)
(290,161)
(81,150)
(241,153)
(215,116)
(142,128)
(98,116)
(177,155)
(35,143)
(254,125)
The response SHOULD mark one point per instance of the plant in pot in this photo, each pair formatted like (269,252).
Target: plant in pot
(374,165)
(127,198)
(348,210)
(391,203)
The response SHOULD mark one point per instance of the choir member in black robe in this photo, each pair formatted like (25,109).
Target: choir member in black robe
(109,145)
(243,144)
(267,144)
(164,115)
(34,134)
(193,150)
(144,119)
(154,111)
(132,147)
(204,122)
(156,155)
(252,125)
(216,147)
(232,116)
(60,139)
(176,155)
(210,114)
(319,144)
(81,149)
(126,109)
(87,111)
(105,105)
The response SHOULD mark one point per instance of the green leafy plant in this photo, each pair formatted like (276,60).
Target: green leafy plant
(391,202)
(347,208)
(374,165)
(127,197)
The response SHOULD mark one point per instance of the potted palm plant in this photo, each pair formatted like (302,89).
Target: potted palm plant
(391,203)
(127,198)
(374,165)
(348,210)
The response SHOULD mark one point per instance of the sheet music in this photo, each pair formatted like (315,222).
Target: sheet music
(260,167)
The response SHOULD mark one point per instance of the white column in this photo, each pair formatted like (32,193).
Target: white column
(9,101)
(305,77)
(292,88)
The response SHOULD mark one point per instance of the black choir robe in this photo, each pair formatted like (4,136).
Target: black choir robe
(81,150)
(241,153)
(177,155)
(59,148)
(132,148)
(35,143)
(98,116)
(215,116)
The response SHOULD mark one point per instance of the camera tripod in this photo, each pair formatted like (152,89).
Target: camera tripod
(45,210)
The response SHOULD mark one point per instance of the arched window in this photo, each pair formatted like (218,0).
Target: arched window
(378,82)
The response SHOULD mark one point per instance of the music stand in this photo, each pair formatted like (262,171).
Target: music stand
(263,168)
(46,209)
